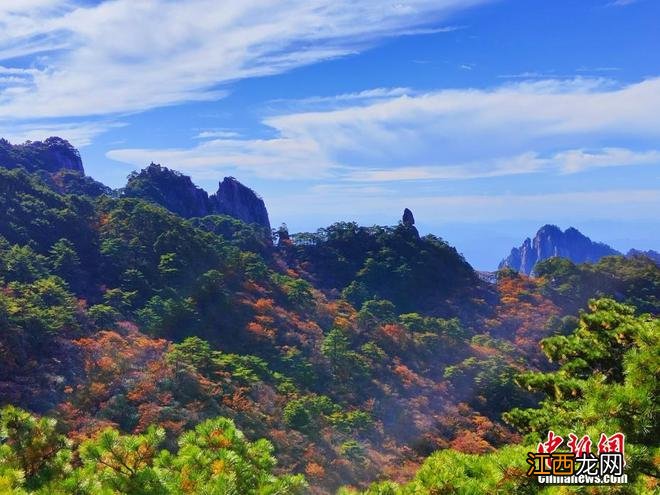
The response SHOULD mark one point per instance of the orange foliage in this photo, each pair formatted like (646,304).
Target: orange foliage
(408,376)
(237,401)
(470,443)
(523,313)
(260,331)
(314,470)
(264,305)
(395,332)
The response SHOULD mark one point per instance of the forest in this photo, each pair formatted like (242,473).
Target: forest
(144,352)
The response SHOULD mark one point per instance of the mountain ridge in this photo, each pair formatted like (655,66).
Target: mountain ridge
(550,241)
(59,164)
(52,155)
(355,350)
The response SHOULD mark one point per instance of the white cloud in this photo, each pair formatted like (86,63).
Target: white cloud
(267,158)
(566,162)
(217,133)
(548,125)
(24,7)
(359,96)
(622,3)
(80,134)
(578,160)
(127,56)
(507,120)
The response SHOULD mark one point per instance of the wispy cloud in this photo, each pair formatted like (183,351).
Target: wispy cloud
(80,134)
(217,134)
(422,31)
(622,3)
(555,126)
(359,96)
(598,69)
(121,56)
(564,162)
(267,158)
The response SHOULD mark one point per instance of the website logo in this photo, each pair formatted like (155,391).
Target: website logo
(577,464)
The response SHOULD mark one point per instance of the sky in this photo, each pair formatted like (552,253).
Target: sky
(487,118)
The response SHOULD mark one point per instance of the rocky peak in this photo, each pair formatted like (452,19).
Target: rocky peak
(178,193)
(551,242)
(170,189)
(408,222)
(408,219)
(239,201)
(52,155)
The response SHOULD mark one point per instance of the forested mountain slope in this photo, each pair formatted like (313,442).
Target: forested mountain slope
(355,351)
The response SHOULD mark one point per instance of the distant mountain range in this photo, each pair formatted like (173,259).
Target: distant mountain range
(58,163)
(550,241)
(139,315)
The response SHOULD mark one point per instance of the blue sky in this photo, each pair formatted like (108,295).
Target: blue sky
(487,118)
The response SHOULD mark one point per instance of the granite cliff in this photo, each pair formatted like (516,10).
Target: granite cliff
(177,193)
(239,201)
(59,164)
(52,155)
(550,242)
(170,189)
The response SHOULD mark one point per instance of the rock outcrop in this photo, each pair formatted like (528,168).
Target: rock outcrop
(408,219)
(52,156)
(239,201)
(177,193)
(550,242)
(408,222)
(170,189)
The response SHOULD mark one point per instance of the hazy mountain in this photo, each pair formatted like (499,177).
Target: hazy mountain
(551,242)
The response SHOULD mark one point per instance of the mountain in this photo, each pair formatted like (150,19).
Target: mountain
(59,165)
(651,254)
(551,242)
(177,193)
(239,201)
(353,351)
(52,155)
(56,162)
(170,189)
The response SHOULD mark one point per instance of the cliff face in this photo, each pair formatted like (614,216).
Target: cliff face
(236,200)
(550,242)
(170,189)
(52,155)
(177,193)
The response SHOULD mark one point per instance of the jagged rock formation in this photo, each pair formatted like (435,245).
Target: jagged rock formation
(177,193)
(170,189)
(52,155)
(408,218)
(549,242)
(239,201)
(408,222)
(55,161)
